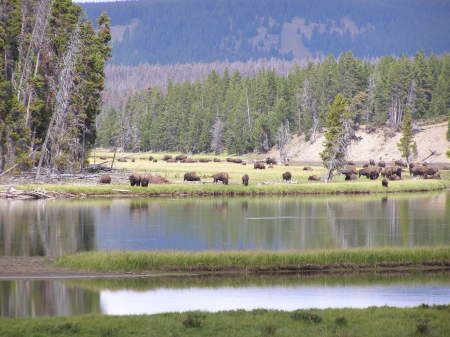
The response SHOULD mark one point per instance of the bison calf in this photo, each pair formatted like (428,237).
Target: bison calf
(191,176)
(223,177)
(105,180)
(287,176)
(384,182)
(245,179)
(135,179)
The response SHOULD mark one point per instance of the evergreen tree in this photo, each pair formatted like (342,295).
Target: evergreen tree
(407,144)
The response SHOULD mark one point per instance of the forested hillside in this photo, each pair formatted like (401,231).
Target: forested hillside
(241,114)
(187,31)
(51,78)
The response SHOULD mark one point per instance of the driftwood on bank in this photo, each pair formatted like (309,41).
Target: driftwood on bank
(12,193)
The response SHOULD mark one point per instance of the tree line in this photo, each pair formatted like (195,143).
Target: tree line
(239,114)
(51,78)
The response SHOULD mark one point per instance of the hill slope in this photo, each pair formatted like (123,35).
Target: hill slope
(184,31)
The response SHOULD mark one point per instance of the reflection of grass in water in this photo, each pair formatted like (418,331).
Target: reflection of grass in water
(143,284)
(219,260)
(374,322)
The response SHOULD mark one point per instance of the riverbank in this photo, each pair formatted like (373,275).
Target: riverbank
(196,190)
(338,260)
(373,321)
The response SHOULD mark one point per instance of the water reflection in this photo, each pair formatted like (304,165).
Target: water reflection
(21,298)
(53,228)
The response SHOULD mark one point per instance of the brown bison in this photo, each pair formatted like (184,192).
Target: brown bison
(381,164)
(271,161)
(307,168)
(259,165)
(432,176)
(204,160)
(400,163)
(287,176)
(145,180)
(388,171)
(155,160)
(135,179)
(155,179)
(351,163)
(245,179)
(384,182)
(365,164)
(188,160)
(122,160)
(313,178)
(166,157)
(171,160)
(372,162)
(223,177)
(191,176)
(234,160)
(351,177)
(371,173)
(151,158)
(217,160)
(394,177)
(103,158)
(348,172)
(105,180)
(180,157)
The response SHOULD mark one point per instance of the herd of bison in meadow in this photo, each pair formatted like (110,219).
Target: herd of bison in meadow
(371,170)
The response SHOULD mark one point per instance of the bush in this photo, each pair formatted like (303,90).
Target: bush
(269,330)
(306,316)
(341,321)
(422,328)
(193,321)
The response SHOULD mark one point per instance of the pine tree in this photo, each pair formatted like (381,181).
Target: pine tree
(338,136)
(407,144)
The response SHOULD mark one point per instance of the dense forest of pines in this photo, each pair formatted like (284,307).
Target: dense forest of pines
(192,31)
(51,78)
(241,114)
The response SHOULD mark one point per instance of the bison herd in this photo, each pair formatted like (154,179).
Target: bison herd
(370,170)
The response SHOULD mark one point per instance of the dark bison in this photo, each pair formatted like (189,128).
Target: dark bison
(188,160)
(145,180)
(105,180)
(191,176)
(365,164)
(371,173)
(271,161)
(394,177)
(122,160)
(259,165)
(155,179)
(432,176)
(372,162)
(388,171)
(420,170)
(384,182)
(204,160)
(400,163)
(348,172)
(234,160)
(351,177)
(223,177)
(151,158)
(180,157)
(245,179)
(351,163)
(307,168)
(217,160)
(313,178)
(381,164)
(166,157)
(287,176)
(133,160)
(155,160)
(171,160)
(103,158)
(135,179)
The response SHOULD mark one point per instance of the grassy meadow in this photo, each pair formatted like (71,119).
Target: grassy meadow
(348,259)
(374,322)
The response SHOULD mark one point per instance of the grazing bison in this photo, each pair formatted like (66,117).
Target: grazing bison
(154,179)
(348,172)
(418,170)
(384,182)
(351,163)
(287,176)
(155,160)
(223,177)
(171,161)
(313,178)
(204,160)
(307,168)
(432,176)
(105,180)
(135,179)
(372,162)
(151,158)
(122,160)
(365,164)
(394,177)
(400,163)
(234,160)
(188,160)
(371,173)
(180,157)
(271,161)
(166,157)
(217,160)
(259,165)
(388,171)
(103,158)
(245,179)
(145,180)
(191,176)
(381,164)
(351,177)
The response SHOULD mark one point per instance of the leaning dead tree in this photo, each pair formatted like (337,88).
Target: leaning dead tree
(399,104)
(58,127)
(283,138)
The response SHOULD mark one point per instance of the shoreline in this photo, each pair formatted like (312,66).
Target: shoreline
(68,191)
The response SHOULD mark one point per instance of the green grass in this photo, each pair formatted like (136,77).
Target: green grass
(375,322)
(138,261)
(232,190)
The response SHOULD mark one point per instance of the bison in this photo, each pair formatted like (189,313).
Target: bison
(234,160)
(122,160)
(365,164)
(381,164)
(166,157)
(432,176)
(384,182)
(245,179)
(105,180)
(145,180)
(371,162)
(371,173)
(223,177)
(155,179)
(191,176)
(271,161)
(313,178)
(351,177)
(171,160)
(287,176)
(351,163)
(388,171)
(400,163)
(180,157)
(204,160)
(394,177)
(217,160)
(307,168)
(151,158)
(348,172)
(188,160)
(259,165)
(135,179)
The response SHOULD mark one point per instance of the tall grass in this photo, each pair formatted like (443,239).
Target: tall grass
(222,260)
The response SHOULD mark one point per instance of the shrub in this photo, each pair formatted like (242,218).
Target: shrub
(269,330)
(341,321)
(193,321)
(306,316)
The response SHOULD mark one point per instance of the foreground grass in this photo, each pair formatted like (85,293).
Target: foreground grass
(139,261)
(230,190)
(382,321)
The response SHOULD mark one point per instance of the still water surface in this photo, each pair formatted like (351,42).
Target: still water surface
(22,298)
(53,228)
